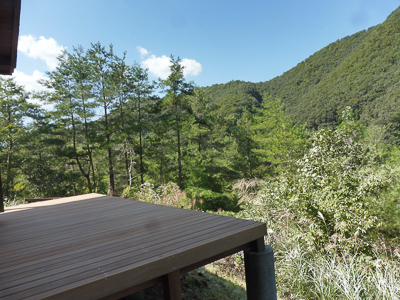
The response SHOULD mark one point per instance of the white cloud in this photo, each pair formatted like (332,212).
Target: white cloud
(31,85)
(42,48)
(192,67)
(143,52)
(30,81)
(160,66)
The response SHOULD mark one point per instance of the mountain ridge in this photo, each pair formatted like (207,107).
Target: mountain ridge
(361,71)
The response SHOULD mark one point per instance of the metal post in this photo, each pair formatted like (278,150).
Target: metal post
(260,274)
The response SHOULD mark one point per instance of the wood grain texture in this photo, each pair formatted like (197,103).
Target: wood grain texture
(93,246)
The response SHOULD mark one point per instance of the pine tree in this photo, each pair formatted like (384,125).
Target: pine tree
(14,111)
(141,90)
(106,82)
(176,107)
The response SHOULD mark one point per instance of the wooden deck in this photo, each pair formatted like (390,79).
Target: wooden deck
(95,246)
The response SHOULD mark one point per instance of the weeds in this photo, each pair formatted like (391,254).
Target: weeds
(14,202)
(168,194)
(304,272)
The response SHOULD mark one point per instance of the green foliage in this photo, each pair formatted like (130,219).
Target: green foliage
(16,115)
(185,137)
(333,221)
(279,140)
(176,108)
(244,134)
(331,190)
(387,208)
(73,110)
(267,141)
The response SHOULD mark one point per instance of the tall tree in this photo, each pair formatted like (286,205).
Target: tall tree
(202,171)
(141,90)
(70,96)
(85,110)
(106,83)
(176,105)
(244,134)
(46,169)
(14,113)
(123,76)
(278,140)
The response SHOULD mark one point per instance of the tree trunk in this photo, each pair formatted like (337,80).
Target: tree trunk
(109,150)
(179,159)
(249,159)
(127,163)
(89,151)
(86,175)
(8,170)
(1,195)
(121,113)
(140,145)
(111,171)
(74,182)
(161,170)
(141,157)
(92,166)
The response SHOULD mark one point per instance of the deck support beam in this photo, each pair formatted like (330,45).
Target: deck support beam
(260,272)
(172,286)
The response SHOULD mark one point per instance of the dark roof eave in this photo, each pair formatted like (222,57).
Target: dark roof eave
(9,62)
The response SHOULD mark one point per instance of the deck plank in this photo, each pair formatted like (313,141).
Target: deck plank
(86,247)
(77,234)
(109,262)
(92,246)
(96,251)
(112,257)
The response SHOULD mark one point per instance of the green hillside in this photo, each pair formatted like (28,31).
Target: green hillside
(361,71)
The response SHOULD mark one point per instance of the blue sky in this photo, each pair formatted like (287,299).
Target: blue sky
(219,41)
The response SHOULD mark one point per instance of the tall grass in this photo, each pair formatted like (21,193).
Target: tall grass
(304,272)
(303,275)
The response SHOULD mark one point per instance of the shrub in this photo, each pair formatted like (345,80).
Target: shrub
(169,194)
(330,194)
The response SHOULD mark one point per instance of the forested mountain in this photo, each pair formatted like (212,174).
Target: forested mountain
(360,71)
